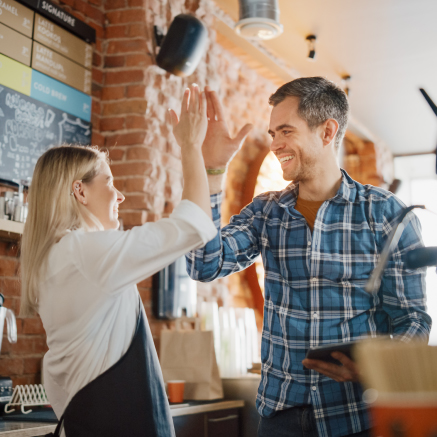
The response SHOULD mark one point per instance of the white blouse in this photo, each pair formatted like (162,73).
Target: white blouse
(89,301)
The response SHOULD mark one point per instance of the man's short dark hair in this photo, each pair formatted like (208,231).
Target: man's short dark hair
(320,99)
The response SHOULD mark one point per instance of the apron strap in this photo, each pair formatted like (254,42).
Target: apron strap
(127,399)
(58,429)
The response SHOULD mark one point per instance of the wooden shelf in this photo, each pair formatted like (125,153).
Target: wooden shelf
(10,230)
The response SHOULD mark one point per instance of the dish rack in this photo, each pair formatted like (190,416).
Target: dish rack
(27,396)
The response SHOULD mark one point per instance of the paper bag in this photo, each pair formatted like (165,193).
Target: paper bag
(189,355)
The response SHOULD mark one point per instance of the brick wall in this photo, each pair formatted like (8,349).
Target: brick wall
(368,162)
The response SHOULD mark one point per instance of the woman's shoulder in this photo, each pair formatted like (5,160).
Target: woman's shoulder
(75,242)
(77,248)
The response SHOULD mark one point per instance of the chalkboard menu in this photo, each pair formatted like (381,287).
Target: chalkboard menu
(28,128)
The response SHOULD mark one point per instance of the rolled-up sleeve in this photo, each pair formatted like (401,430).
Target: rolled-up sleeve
(114,259)
(403,291)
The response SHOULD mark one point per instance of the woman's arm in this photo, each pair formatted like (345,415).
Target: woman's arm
(115,259)
(190,133)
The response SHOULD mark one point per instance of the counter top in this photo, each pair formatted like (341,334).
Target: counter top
(10,230)
(32,429)
(25,429)
(197,408)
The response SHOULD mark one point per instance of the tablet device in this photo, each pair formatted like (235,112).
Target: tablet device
(324,352)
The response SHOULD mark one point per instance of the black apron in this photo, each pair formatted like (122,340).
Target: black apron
(127,400)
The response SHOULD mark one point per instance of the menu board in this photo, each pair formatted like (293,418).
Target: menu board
(45,83)
(57,14)
(34,84)
(36,112)
(62,41)
(15,45)
(28,128)
(17,17)
(57,66)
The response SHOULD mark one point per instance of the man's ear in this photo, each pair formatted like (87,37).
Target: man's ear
(330,129)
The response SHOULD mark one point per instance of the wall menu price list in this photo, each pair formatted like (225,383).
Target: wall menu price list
(15,45)
(58,50)
(62,41)
(57,66)
(45,82)
(56,14)
(17,17)
(34,84)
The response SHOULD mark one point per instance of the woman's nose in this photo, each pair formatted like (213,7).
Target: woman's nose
(120,197)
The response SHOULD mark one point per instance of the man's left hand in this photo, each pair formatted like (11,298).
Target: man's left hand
(219,147)
(348,372)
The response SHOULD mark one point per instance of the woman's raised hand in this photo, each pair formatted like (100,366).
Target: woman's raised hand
(190,129)
(190,133)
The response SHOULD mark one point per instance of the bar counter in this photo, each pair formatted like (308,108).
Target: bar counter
(33,429)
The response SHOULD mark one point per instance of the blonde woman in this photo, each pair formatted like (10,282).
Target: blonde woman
(79,274)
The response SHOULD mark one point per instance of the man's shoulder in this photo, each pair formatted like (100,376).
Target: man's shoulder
(373,193)
(382,201)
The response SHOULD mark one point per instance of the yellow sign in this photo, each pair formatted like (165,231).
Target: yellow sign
(15,75)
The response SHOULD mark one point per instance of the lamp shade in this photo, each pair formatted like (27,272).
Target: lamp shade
(183,46)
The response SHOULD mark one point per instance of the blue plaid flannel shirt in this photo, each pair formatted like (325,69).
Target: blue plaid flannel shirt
(314,290)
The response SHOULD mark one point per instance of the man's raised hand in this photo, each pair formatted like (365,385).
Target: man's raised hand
(218,147)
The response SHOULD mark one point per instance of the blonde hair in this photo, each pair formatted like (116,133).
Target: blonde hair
(53,211)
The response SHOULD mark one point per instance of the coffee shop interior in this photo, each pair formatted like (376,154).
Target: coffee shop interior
(105,72)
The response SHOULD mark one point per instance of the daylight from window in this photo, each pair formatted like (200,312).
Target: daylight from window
(419,187)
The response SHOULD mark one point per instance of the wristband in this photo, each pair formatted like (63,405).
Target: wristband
(215,171)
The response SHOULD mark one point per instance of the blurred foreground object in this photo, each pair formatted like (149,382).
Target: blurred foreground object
(401,386)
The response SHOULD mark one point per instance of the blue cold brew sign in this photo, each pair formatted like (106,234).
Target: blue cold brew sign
(61,96)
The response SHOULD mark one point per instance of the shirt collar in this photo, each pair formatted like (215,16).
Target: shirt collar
(347,192)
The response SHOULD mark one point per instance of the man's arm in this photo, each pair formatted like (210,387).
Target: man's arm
(219,147)
(236,246)
(403,291)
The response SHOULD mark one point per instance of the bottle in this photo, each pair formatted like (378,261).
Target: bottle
(2,207)
(9,205)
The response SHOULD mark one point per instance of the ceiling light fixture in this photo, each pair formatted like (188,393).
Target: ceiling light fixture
(311,47)
(259,19)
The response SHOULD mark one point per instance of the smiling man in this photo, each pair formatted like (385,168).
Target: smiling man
(319,239)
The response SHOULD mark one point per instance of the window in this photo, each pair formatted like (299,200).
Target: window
(419,187)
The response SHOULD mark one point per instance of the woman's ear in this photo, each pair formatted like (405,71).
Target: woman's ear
(78,191)
(329,131)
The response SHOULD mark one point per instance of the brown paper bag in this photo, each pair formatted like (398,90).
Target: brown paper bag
(189,355)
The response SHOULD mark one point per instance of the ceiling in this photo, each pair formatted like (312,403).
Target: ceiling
(388,47)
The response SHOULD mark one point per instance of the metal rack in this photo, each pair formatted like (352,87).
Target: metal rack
(27,396)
